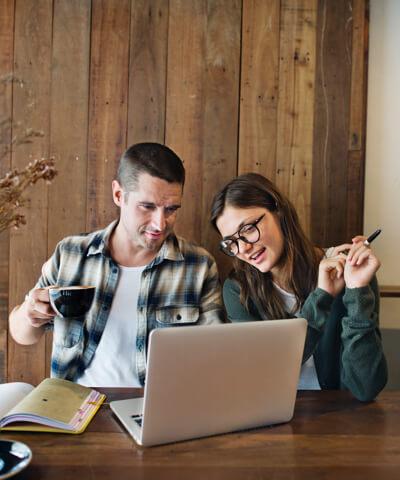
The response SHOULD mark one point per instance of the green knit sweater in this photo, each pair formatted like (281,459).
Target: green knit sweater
(343,335)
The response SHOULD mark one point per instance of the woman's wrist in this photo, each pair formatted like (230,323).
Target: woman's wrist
(357,284)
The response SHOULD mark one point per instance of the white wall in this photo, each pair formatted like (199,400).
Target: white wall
(382,185)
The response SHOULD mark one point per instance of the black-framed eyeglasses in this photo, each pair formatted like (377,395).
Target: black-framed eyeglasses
(248,233)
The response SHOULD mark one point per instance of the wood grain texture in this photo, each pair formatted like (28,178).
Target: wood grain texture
(259,87)
(69,124)
(108,105)
(186,94)
(359,56)
(296,104)
(275,86)
(202,107)
(147,71)
(357,126)
(355,194)
(331,120)
(331,436)
(219,151)
(31,105)
(69,118)
(6,67)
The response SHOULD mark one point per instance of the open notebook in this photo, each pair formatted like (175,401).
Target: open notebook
(213,379)
(55,405)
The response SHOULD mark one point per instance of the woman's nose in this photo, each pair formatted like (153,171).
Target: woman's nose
(244,246)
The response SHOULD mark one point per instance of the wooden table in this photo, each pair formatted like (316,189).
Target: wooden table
(332,436)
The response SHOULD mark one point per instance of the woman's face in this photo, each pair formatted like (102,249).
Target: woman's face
(266,252)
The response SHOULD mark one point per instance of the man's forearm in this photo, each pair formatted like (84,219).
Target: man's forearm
(22,331)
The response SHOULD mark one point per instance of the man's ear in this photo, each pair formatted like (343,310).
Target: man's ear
(117,192)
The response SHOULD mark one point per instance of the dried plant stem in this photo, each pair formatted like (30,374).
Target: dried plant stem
(13,185)
(15,182)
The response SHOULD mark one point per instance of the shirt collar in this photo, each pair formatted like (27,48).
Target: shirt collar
(100,241)
(169,251)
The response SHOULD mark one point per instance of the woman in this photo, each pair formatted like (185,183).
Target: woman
(278,273)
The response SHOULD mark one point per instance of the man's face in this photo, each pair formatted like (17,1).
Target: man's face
(148,213)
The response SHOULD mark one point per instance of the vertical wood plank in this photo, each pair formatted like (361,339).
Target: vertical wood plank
(355,193)
(185,103)
(107,106)
(6,67)
(202,106)
(357,127)
(31,105)
(331,119)
(358,75)
(69,123)
(220,151)
(259,87)
(148,71)
(296,103)
(69,118)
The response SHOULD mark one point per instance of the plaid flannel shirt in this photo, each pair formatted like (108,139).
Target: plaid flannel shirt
(179,287)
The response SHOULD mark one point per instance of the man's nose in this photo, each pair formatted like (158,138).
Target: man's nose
(158,219)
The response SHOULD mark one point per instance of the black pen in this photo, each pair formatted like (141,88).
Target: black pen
(372,237)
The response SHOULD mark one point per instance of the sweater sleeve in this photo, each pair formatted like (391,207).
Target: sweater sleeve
(364,369)
(316,310)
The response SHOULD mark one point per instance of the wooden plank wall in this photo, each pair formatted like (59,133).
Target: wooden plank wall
(6,66)
(273,86)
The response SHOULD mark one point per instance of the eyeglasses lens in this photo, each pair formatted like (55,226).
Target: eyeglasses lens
(248,233)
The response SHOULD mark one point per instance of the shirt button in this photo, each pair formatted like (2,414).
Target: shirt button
(114,270)
(105,307)
(179,316)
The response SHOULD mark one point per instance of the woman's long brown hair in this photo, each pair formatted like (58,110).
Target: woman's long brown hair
(299,261)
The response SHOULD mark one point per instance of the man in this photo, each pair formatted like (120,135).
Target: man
(145,278)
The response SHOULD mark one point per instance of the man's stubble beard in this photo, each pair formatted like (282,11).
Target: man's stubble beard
(154,245)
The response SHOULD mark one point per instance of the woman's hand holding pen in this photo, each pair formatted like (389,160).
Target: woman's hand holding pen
(361,264)
(351,264)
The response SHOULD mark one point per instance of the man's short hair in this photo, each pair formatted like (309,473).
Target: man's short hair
(153,158)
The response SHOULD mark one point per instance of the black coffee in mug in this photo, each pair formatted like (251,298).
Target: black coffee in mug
(74,301)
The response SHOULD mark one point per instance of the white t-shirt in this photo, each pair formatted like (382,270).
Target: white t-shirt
(308,375)
(113,364)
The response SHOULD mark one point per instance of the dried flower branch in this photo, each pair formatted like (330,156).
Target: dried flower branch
(15,182)
(13,185)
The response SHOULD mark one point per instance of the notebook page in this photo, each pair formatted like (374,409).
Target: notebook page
(11,394)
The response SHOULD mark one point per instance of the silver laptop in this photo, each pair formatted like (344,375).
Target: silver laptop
(213,379)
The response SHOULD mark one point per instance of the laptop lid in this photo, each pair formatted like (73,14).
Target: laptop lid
(212,379)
